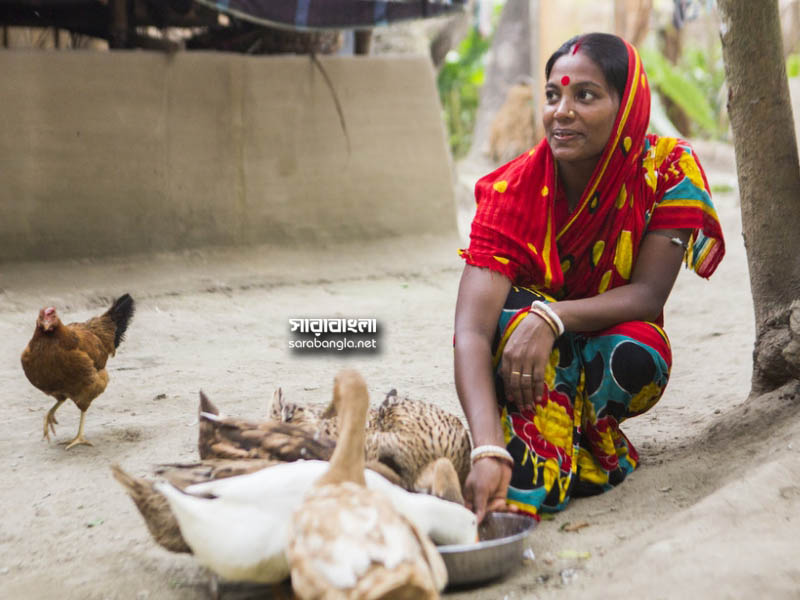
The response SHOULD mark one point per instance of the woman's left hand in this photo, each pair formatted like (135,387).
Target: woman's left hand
(525,359)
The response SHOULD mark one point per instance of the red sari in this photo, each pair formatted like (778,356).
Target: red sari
(517,233)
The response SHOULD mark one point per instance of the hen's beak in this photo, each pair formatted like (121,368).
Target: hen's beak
(47,319)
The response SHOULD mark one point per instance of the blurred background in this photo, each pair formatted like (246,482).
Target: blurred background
(486,57)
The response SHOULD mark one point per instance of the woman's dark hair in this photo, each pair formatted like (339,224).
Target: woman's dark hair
(607,51)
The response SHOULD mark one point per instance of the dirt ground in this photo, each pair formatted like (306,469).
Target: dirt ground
(711,513)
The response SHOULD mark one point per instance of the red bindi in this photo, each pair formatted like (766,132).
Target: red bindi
(565,80)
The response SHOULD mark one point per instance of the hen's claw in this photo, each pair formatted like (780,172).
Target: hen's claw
(50,423)
(50,420)
(79,440)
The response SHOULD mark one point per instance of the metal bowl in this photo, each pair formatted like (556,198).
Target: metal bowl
(502,542)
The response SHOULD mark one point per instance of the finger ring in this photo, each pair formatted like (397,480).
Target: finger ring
(527,375)
(515,372)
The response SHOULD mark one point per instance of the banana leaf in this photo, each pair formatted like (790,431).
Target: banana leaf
(666,77)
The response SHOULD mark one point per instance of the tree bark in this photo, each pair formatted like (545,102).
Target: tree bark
(769,182)
(509,62)
(632,19)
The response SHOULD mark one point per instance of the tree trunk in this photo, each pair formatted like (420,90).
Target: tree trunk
(632,19)
(509,62)
(769,182)
(791,23)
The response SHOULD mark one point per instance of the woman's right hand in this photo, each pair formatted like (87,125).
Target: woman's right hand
(525,359)
(486,487)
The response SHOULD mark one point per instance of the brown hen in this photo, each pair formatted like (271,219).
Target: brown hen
(69,361)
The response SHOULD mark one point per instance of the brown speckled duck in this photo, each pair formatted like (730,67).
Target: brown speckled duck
(314,418)
(408,436)
(231,438)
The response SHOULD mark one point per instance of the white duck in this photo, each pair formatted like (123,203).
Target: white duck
(445,522)
(234,539)
(238,526)
(348,542)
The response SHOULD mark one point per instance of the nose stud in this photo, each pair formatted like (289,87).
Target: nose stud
(571,114)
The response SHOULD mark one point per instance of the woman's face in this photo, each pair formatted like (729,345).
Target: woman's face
(580,109)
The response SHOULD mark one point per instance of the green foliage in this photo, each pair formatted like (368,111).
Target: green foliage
(459,82)
(693,84)
(722,188)
(793,65)
(706,68)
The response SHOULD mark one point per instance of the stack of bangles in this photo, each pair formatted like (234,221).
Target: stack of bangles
(491,452)
(541,309)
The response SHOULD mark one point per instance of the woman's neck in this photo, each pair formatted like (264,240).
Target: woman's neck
(575,178)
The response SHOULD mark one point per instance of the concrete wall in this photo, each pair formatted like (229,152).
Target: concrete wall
(122,152)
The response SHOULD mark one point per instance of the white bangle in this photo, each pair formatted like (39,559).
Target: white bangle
(489,450)
(550,313)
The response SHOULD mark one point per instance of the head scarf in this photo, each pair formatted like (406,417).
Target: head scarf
(515,230)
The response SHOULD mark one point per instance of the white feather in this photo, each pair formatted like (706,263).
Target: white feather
(445,522)
(240,542)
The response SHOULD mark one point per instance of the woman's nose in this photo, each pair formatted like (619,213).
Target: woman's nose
(564,109)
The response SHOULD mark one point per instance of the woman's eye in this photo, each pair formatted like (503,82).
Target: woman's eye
(586,95)
(550,95)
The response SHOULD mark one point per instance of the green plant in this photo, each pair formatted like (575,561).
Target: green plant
(693,84)
(793,65)
(459,82)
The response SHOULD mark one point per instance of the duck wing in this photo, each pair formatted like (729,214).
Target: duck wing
(230,438)
(155,511)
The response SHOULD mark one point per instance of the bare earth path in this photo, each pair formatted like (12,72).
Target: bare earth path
(713,512)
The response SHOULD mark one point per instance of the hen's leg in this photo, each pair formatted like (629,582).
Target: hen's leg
(79,439)
(83,401)
(50,421)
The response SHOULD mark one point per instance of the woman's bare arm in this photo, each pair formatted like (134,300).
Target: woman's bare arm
(481,296)
(654,273)
(528,348)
